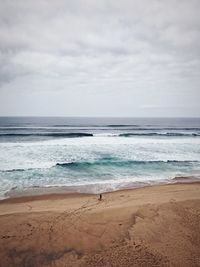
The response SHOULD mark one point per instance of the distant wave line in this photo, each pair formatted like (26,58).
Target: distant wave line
(83,134)
(46,134)
(158,134)
(103,127)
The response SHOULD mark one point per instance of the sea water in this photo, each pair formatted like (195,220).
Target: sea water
(96,154)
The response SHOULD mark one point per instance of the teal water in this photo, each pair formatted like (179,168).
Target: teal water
(102,154)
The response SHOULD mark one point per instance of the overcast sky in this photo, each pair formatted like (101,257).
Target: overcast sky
(100,58)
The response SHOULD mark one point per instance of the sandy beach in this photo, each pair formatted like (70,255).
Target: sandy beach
(151,226)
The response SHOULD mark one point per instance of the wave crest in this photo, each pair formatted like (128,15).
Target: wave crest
(47,134)
(120,163)
(158,134)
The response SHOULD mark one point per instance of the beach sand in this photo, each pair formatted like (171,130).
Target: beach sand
(151,226)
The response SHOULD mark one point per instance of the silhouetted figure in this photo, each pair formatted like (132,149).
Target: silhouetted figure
(100,197)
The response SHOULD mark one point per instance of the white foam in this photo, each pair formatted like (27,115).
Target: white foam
(45,154)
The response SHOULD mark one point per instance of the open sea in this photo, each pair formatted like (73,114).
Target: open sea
(96,154)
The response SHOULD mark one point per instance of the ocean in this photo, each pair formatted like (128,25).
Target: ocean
(96,154)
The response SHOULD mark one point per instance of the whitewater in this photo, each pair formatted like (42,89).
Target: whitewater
(96,154)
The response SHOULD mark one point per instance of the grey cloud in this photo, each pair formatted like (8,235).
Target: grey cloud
(145,50)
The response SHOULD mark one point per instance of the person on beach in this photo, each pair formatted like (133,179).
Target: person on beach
(100,197)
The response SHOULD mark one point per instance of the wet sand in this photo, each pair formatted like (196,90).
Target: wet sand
(151,226)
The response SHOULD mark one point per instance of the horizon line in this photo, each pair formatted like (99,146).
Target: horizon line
(134,117)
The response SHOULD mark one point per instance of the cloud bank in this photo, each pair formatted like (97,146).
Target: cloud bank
(100,58)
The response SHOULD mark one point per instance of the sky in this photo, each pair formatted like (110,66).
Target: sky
(135,58)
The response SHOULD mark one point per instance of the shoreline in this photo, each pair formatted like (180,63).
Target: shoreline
(78,195)
(65,194)
(43,192)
